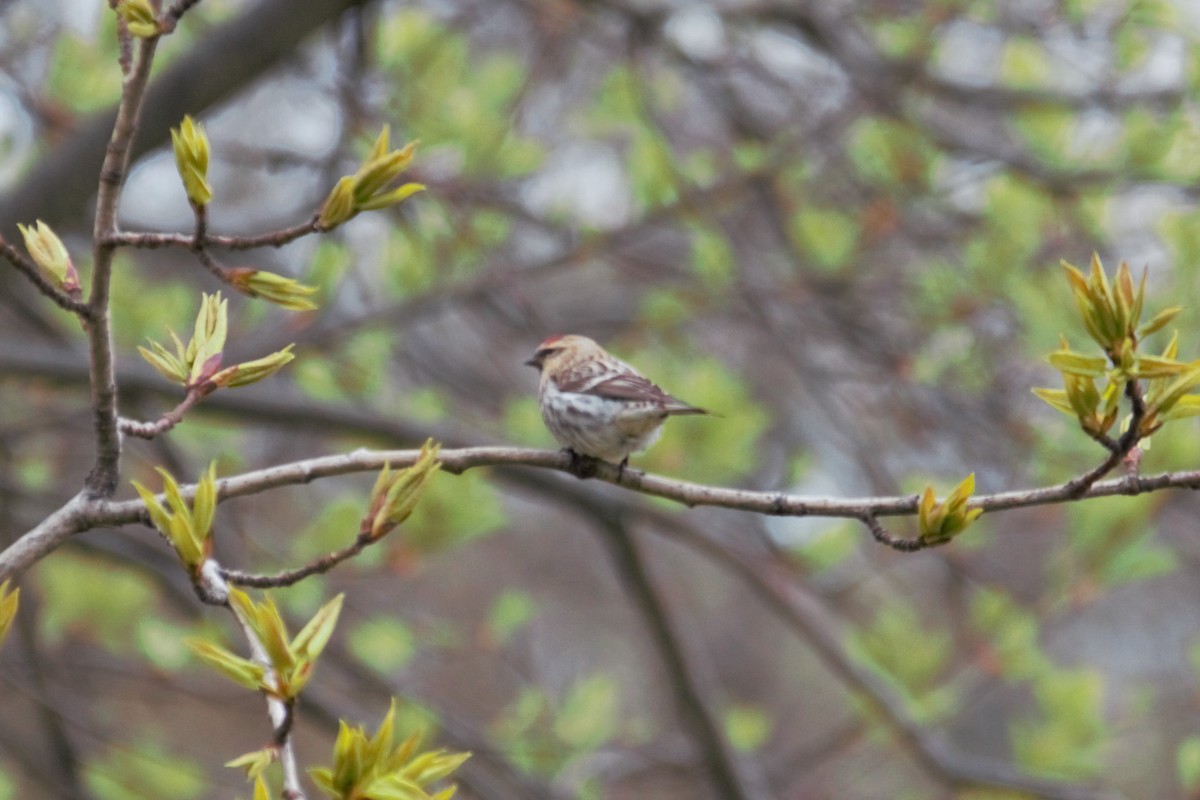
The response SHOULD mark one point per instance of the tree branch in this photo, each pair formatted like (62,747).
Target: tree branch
(29,270)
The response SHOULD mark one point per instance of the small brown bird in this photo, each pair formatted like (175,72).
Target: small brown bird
(597,405)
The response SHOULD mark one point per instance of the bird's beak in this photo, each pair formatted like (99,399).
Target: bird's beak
(533,362)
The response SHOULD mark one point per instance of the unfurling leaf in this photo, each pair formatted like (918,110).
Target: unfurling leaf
(372,767)
(1077,363)
(395,494)
(239,670)
(8,608)
(253,371)
(285,292)
(139,16)
(187,529)
(254,763)
(1160,321)
(50,255)
(368,188)
(941,522)
(191,158)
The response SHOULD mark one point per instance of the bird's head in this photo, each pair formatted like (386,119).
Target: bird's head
(559,351)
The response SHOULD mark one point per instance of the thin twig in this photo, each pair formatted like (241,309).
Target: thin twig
(62,299)
(293,576)
(153,241)
(149,430)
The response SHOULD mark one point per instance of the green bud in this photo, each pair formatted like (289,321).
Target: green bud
(191,158)
(339,205)
(253,371)
(8,608)
(281,291)
(187,529)
(367,189)
(51,256)
(205,351)
(395,495)
(139,16)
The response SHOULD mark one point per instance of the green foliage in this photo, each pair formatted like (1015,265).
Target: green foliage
(453,512)
(8,608)
(144,770)
(510,612)
(828,236)
(383,643)
(1187,765)
(709,449)
(396,494)
(1024,64)
(908,654)
(941,522)
(889,153)
(1113,543)
(542,735)
(747,727)
(74,603)
(187,527)
(832,546)
(1067,737)
(589,714)
(291,661)
(81,73)
(374,768)
(712,258)
(1012,633)
(465,100)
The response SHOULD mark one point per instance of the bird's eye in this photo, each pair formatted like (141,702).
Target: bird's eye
(546,352)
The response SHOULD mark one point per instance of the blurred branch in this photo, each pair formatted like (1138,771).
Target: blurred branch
(778,587)
(695,690)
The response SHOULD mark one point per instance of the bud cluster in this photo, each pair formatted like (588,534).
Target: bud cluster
(367,189)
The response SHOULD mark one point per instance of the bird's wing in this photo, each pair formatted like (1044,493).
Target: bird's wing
(628,386)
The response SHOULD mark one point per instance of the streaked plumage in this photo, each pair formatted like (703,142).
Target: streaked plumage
(596,404)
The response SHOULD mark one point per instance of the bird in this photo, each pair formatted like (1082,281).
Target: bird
(596,405)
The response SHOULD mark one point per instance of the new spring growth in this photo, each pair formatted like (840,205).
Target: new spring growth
(372,766)
(1111,314)
(367,189)
(187,529)
(274,288)
(51,256)
(198,365)
(395,494)
(8,608)
(191,158)
(139,16)
(292,661)
(941,522)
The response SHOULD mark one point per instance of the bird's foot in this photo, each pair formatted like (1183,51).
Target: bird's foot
(581,466)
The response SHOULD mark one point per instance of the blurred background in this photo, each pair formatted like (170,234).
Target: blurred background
(837,224)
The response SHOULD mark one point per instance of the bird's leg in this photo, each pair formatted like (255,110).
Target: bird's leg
(581,466)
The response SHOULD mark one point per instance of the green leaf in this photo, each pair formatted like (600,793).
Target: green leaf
(8,608)
(315,635)
(237,669)
(1078,364)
